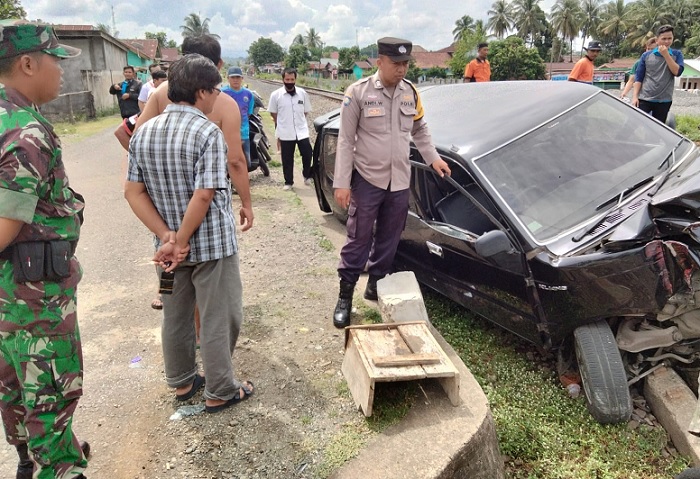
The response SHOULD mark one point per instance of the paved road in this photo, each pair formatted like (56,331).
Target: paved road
(115,320)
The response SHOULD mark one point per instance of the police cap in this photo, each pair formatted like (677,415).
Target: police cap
(397,49)
(18,37)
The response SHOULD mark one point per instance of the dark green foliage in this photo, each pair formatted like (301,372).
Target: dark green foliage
(512,60)
(263,51)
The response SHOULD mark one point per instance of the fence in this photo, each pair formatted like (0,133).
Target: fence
(69,106)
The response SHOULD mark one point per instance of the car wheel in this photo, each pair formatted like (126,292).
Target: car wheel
(602,373)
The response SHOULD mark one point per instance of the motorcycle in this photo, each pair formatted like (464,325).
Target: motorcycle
(259,146)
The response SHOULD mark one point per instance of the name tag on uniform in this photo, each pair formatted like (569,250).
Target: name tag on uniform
(378,111)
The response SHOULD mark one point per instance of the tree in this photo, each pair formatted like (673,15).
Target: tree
(347,57)
(647,15)
(313,39)
(566,21)
(463,27)
(298,39)
(162,38)
(297,57)
(413,73)
(692,45)
(529,19)
(591,18)
(436,72)
(194,26)
(11,9)
(263,51)
(616,22)
(465,51)
(511,60)
(500,18)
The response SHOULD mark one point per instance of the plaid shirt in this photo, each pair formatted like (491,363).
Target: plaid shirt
(174,154)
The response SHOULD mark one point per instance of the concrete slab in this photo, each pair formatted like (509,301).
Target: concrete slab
(673,404)
(436,440)
(400,298)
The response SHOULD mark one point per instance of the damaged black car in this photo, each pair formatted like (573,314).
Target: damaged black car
(571,219)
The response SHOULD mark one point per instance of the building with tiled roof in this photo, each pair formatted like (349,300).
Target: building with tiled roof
(144,48)
(169,55)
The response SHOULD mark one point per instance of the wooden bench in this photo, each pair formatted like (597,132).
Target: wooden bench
(394,352)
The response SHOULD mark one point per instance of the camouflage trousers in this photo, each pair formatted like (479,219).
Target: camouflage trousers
(41,379)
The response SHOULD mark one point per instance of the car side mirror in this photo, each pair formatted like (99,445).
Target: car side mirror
(492,243)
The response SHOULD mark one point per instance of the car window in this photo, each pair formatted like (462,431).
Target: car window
(330,145)
(555,177)
(440,201)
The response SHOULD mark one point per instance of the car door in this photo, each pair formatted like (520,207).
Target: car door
(442,232)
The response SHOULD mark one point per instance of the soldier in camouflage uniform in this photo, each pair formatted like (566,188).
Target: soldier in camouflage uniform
(41,364)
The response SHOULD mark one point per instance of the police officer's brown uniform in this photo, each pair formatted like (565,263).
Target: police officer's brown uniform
(377,123)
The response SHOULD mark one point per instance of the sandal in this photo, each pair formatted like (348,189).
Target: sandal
(196,386)
(157,303)
(247,392)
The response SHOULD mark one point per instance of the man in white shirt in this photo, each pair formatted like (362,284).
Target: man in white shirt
(289,106)
(148,86)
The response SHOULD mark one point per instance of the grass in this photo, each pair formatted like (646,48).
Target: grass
(74,132)
(544,433)
(689,126)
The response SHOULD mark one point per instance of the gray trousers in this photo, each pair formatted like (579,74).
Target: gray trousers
(215,287)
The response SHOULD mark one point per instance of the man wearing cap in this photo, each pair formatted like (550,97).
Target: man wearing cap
(288,107)
(41,364)
(246,103)
(479,69)
(379,117)
(656,75)
(583,70)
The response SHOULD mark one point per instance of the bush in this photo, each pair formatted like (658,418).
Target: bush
(689,126)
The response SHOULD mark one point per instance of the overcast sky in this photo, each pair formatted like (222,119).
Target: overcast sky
(239,23)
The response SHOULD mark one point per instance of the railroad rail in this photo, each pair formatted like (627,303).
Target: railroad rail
(332,95)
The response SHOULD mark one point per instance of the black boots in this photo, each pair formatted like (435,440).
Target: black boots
(341,315)
(371,290)
(25,468)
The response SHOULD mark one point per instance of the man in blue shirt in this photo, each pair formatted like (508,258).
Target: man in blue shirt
(246,103)
(656,74)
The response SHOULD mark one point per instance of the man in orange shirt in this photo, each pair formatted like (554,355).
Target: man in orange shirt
(479,69)
(583,70)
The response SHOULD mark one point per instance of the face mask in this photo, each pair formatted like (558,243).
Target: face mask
(290,87)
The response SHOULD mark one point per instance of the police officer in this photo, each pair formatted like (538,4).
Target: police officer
(379,116)
(41,364)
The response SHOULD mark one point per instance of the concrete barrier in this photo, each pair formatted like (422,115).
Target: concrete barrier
(436,440)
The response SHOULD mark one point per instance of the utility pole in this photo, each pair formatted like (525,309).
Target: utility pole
(114,23)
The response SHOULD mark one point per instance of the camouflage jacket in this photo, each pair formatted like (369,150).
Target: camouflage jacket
(33,189)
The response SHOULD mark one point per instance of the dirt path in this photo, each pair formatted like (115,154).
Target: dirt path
(288,347)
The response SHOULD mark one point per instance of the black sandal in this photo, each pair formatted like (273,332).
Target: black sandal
(196,386)
(247,392)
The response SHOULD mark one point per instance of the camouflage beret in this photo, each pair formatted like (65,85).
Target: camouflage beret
(19,36)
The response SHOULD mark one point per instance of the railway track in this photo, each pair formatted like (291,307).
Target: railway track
(331,95)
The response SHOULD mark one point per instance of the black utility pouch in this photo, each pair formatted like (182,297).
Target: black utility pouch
(28,260)
(57,260)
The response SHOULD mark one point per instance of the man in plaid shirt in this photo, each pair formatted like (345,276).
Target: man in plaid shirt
(178,188)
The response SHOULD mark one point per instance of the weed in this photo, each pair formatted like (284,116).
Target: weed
(689,126)
(544,433)
(326,244)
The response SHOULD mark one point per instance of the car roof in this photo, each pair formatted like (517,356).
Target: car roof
(472,119)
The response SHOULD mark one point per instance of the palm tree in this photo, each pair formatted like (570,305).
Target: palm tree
(528,19)
(463,27)
(313,39)
(500,18)
(566,20)
(481,31)
(591,18)
(648,16)
(194,26)
(298,39)
(682,14)
(616,20)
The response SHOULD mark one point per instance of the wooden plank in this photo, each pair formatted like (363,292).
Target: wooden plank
(355,371)
(415,359)
(420,340)
(380,343)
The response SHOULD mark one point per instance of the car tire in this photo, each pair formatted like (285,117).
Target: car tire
(602,373)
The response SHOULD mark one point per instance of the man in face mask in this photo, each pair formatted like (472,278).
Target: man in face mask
(289,107)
